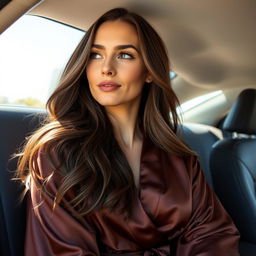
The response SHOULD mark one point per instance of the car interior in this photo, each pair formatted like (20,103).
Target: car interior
(212,50)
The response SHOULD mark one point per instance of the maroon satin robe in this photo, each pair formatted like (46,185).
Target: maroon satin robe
(175,213)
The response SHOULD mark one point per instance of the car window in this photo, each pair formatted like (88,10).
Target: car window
(205,109)
(195,102)
(33,53)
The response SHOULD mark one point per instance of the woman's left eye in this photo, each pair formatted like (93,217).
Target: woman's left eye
(124,55)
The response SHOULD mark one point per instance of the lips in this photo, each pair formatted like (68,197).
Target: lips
(108,86)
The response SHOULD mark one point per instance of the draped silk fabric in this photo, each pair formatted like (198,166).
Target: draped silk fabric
(175,213)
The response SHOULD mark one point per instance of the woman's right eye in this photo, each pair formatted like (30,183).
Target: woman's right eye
(95,55)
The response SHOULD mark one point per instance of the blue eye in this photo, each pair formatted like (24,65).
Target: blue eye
(124,55)
(95,55)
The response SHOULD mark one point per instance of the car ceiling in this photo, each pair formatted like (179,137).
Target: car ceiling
(211,44)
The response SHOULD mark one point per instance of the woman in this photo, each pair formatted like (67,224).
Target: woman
(107,174)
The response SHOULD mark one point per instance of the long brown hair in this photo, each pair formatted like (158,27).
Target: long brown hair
(80,136)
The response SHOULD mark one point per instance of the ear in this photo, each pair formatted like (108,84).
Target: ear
(148,78)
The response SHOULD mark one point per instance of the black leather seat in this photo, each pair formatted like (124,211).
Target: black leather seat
(233,167)
(200,138)
(15,125)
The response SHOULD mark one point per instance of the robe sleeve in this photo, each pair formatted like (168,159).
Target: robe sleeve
(210,230)
(61,232)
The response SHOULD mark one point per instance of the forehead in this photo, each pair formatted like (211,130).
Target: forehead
(116,33)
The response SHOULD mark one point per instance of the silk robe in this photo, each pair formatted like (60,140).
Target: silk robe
(175,213)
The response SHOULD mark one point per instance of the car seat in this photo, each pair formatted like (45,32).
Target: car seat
(15,125)
(233,165)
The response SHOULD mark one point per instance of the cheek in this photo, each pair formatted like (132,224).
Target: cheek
(90,70)
(90,74)
(133,74)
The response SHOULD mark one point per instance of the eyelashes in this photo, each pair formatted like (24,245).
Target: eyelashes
(125,55)
(121,55)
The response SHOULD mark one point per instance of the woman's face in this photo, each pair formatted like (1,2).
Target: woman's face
(116,72)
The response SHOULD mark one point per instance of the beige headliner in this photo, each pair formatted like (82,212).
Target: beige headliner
(12,11)
(210,43)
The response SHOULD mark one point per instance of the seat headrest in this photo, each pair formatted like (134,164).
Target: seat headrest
(242,116)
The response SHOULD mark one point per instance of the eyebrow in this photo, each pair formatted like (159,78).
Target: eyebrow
(118,47)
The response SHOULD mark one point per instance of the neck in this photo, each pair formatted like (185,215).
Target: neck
(124,121)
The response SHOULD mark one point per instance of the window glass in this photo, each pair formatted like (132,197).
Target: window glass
(193,103)
(33,53)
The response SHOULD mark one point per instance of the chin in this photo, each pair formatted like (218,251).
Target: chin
(108,102)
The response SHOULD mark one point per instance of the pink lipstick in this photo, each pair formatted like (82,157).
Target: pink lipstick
(108,86)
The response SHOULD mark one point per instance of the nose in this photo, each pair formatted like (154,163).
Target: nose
(108,68)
